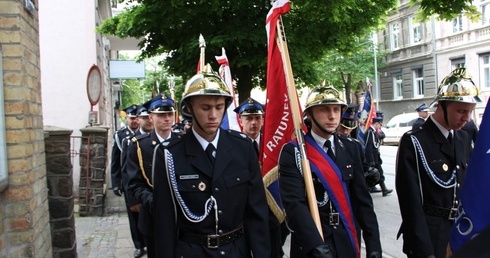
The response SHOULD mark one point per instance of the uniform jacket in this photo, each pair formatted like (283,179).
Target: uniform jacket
(372,154)
(425,234)
(140,182)
(305,235)
(118,162)
(418,123)
(116,176)
(236,184)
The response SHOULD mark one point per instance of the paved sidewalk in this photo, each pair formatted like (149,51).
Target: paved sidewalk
(109,236)
(106,236)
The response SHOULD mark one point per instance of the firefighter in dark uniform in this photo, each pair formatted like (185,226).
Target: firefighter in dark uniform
(348,123)
(423,111)
(251,114)
(141,159)
(345,191)
(372,154)
(118,173)
(209,200)
(431,165)
(251,120)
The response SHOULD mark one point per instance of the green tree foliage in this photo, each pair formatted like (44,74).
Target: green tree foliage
(349,69)
(312,28)
(446,9)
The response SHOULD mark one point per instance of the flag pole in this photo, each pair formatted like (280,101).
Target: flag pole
(297,122)
(202,46)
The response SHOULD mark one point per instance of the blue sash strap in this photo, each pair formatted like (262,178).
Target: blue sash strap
(331,178)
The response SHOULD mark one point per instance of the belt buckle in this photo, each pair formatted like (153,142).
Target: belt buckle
(212,241)
(333,219)
(452,213)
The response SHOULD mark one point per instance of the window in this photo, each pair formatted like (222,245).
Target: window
(458,63)
(485,12)
(458,24)
(485,72)
(395,36)
(418,82)
(397,86)
(415,31)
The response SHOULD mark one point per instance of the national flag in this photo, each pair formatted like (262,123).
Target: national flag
(230,121)
(473,211)
(369,109)
(278,123)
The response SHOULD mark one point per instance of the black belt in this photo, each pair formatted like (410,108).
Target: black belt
(448,213)
(211,241)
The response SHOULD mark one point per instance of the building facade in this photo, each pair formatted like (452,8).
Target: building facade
(423,53)
(69,47)
(24,213)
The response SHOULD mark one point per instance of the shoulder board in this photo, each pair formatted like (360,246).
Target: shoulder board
(414,131)
(237,134)
(354,139)
(343,137)
(139,137)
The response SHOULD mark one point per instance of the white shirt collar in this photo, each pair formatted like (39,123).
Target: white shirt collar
(160,138)
(205,143)
(321,141)
(256,139)
(443,130)
(143,132)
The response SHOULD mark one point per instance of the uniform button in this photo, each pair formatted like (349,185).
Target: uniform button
(193,186)
(456,202)
(458,185)
(220,212)
(457,166)
(220,231)
(238,179)
(216,189)
(222,253)
(350,175)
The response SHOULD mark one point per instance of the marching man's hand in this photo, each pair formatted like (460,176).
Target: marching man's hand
(117,191)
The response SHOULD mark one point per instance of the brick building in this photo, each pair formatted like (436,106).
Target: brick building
(24,214)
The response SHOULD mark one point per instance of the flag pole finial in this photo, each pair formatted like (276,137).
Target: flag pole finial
(202,46)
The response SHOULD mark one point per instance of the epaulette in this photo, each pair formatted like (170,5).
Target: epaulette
(343,137)
(139,137)
(237,134)
(414,131)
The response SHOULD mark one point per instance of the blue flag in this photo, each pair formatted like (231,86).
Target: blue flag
(474,212)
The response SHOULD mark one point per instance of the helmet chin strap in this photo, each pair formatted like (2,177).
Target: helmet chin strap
(313,119)
(444,111)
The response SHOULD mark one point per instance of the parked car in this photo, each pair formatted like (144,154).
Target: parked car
(397,126)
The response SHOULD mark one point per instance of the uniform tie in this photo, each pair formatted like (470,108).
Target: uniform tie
(328,145)
(209,151)
(256,147)
(450,138)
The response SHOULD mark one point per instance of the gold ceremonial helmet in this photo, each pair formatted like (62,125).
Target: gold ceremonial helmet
(322,95)
(458,87)
(205,83)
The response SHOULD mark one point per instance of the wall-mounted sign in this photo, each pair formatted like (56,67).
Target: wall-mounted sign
(126,69)
(94,85)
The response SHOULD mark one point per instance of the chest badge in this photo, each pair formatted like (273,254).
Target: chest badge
(202,186)
(445,167)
